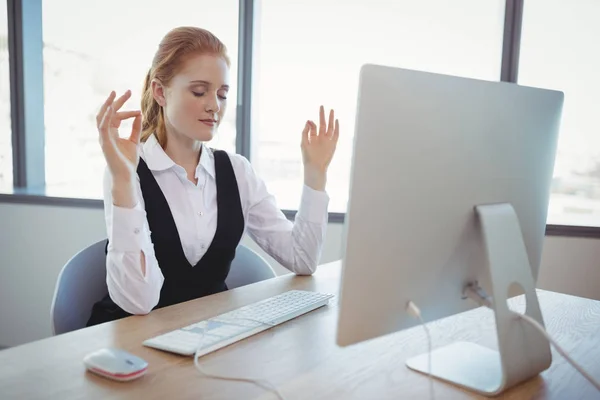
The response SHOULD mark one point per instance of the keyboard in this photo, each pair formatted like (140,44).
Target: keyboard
(231,327)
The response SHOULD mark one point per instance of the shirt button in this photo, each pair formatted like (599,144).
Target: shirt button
(136,231)
(200,213)
(202,247)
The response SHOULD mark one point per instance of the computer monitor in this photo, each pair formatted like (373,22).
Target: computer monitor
(450,184)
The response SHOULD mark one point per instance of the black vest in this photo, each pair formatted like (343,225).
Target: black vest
(183,281)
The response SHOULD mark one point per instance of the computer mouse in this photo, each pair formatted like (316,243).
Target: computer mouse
(115,364)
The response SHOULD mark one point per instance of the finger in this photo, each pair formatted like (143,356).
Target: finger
(330,124)
(305,133)
(336,132)
(322,126)
(121,100)
(313,128)
(107,103)
(103,128)
(121,115)
(136,129)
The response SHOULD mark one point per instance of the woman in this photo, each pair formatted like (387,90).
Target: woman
(175,209)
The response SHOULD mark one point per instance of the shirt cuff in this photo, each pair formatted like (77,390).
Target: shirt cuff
(313,205)
(128,229)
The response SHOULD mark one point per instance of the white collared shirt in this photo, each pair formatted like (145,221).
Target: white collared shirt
(297,246)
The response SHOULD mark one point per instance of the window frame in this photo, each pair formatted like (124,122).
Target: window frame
(26,78)
(25,55)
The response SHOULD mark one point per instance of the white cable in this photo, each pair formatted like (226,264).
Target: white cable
(541,329)
(259,382)
(478,295)
(415,312)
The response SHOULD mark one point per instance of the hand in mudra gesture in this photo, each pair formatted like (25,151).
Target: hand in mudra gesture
(121,154)
(318,145)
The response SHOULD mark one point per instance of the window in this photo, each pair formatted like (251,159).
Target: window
(310,52)
(109,46)
(6,167)
(559,51)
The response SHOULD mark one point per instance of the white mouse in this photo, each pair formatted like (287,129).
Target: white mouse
(115,364)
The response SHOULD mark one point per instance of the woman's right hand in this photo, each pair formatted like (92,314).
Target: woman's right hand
(121,154)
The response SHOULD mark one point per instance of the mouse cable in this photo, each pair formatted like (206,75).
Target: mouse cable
(259,382)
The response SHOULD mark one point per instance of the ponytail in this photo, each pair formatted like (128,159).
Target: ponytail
(152,114)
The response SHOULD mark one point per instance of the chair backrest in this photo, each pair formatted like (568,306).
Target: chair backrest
(80,284)
(248,267)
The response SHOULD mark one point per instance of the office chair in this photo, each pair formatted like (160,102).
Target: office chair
(82,282)
(248,267)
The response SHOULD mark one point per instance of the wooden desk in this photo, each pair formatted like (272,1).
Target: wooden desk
(300,356)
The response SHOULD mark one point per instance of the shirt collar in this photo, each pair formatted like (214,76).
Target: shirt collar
(154,155)
(157,160)
(207,161)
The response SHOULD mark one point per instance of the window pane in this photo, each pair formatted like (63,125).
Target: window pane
(559,51)
(311,51)
(110,45)
(6,167)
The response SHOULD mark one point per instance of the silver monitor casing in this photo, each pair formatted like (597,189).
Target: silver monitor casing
(450,185)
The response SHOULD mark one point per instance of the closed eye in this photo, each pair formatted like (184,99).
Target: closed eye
(196,94)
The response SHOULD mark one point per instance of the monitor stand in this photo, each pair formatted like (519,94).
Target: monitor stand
(522,351)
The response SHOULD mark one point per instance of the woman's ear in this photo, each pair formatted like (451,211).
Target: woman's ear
(158,92)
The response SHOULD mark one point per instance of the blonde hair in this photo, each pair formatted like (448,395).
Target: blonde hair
(173,50)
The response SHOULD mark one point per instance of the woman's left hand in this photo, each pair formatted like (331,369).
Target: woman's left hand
(318,147)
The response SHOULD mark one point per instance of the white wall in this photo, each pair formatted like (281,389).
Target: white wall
(36,241)
(571,265)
